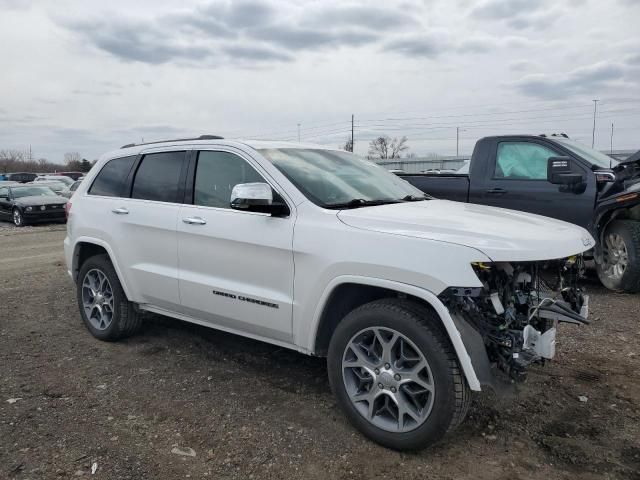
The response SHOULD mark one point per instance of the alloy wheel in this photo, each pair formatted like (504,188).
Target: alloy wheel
(97,299)
(17,217)
(388,379)
(616,257)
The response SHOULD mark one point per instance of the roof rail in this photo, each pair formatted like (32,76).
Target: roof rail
(201,137)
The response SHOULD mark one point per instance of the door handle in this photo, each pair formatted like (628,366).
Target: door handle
(120,211)
(497,191)
(194,220)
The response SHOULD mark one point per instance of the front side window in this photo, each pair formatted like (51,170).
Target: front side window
(4,192)
(216,175)
(330,178)
(158,177)
(522,161)
(110,181)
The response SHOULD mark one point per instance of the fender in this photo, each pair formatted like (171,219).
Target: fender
(427,296)
(112,257)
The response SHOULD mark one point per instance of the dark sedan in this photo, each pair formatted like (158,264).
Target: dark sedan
(24,204)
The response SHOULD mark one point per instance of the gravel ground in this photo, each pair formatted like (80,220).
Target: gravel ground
(245,409)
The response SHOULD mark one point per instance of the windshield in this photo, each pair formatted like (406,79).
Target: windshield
(589,154)
(330,178)
(32,192)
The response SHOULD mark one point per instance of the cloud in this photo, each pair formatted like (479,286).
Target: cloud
(478,44)
(132,40)
(374,17)
(297,38)
(522,65)
(519,14)
(633,60)
(420,46)
(227,31)
(15,4)
(584,80)
(505,9)
(256,53)
(538,21)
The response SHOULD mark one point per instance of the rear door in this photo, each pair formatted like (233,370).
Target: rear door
(236,267)
(516,178)
(145,224)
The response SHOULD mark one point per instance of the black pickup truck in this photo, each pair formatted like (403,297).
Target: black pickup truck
(560,178)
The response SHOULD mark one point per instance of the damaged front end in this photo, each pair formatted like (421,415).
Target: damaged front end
(511,321)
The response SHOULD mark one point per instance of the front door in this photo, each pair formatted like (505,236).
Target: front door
(236,267)
(518,180)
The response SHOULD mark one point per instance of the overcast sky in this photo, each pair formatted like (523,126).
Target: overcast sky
(90,76)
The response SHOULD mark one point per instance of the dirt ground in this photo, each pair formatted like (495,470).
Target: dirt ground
(251,410)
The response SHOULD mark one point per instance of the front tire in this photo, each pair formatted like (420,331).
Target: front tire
(104,307)
(395,374)
(619,269)
(18,218)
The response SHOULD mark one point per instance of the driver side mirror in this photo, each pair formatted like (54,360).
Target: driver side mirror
(257,197)
(560,171)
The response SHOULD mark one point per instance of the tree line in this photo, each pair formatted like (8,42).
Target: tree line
(21,161)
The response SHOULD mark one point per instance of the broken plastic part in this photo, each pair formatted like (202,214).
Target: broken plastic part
(542,344)
(497,304)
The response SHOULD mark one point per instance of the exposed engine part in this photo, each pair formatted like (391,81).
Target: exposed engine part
(517,311)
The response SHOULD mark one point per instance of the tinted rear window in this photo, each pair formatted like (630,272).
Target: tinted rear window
(111,179)
(158,177)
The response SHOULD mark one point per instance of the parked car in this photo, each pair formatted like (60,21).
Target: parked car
(415,302)
(559,178)
(68,191)
(67,181)
(57,187)
(24,204)
(21,177)
(72,175)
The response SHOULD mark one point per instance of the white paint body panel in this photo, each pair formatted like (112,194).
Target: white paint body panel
(417,248)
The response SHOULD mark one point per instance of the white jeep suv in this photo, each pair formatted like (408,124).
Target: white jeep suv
(414,301)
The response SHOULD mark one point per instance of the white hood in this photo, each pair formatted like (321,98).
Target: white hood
(501,234)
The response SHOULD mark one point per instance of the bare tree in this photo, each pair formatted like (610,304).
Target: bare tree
(72,157)
(385,147)
(12,155)
(348,145)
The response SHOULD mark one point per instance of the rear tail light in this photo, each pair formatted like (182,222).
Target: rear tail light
(67,209)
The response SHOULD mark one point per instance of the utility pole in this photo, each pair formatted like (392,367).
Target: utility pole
(611,148)
(457,140)
(298,133)
(593,133)
(352,133)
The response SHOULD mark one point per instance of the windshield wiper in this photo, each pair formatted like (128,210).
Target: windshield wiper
(414,198)
(359,202)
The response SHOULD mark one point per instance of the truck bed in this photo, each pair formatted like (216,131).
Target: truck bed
(446,186)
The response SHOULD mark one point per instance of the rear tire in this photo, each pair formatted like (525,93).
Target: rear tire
(435,403)
(104,307)
(620,266)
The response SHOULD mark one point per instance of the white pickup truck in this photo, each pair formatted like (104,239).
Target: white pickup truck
(414,301)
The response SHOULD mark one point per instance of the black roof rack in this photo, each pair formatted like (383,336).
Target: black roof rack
(201,137)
